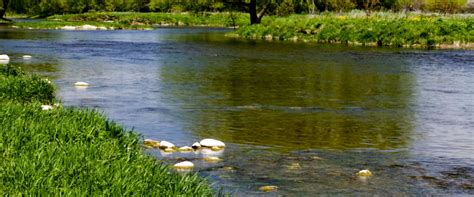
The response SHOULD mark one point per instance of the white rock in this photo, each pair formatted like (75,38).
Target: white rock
(4,57)
(81,83)
(88,27)
(102,28)
(166,145)
(184,165)
(27,57)
(68,28)
(4,62)
(185,149)
(46,107)
(196,145)
(211,143)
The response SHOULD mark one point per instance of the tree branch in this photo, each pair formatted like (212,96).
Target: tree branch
(262,12)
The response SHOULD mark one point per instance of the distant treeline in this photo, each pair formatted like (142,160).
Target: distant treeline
(277,7)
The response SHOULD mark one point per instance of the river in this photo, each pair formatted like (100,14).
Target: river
(300,116)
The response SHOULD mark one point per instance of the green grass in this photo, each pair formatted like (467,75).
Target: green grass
(68,151)
(135,20)
(381,29)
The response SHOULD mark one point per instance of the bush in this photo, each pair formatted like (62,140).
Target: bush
(285,9)
(445,6)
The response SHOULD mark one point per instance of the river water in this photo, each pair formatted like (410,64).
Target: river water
(303,117)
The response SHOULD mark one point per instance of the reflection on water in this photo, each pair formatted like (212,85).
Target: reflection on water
(295,105)
(303,117)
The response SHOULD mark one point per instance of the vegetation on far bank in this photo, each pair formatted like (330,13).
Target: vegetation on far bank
(414,30)
(74,151)
(379,29)
(45,8)
(135,20)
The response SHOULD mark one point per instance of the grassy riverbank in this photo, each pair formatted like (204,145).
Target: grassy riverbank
(410,30)
(379,29)
(134,20)
(74,151)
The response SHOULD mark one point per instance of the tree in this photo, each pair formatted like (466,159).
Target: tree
(255,17)
(3,9)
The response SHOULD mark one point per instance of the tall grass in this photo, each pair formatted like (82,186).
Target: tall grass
(383,29)
(67,151)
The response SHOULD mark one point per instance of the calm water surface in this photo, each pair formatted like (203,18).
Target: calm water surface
(303,117)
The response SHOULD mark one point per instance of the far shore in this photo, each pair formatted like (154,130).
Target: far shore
(388,29)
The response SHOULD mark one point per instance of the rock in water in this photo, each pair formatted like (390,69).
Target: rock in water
(169,150)
(184,165)
(4,62)
(212,159)
(212,143)
(268,188)
(185,149)
(81,83)
(364,173)
(167,145)
(210,153)
(151,143)
(4,57)
(196,145)
(27,57)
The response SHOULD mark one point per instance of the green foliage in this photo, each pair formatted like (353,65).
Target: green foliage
(285,9)
(383,29)
(15,85)
(45,8)
(66,151)
(135,20)
(445,6)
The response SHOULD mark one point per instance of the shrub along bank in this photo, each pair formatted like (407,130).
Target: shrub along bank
(74,151)
(380,29)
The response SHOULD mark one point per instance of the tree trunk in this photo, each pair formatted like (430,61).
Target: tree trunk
(253,12)
(3,10)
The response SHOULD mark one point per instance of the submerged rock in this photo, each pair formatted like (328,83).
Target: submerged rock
(4,57)
(167,145)
(185,149)
(212,159)
(268,188)
(81,83)
(364,173)
(46,107)
(169,150)
(151,143)
(212,153)
(184,165)
(196,145)
(216,148)
(212,143)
